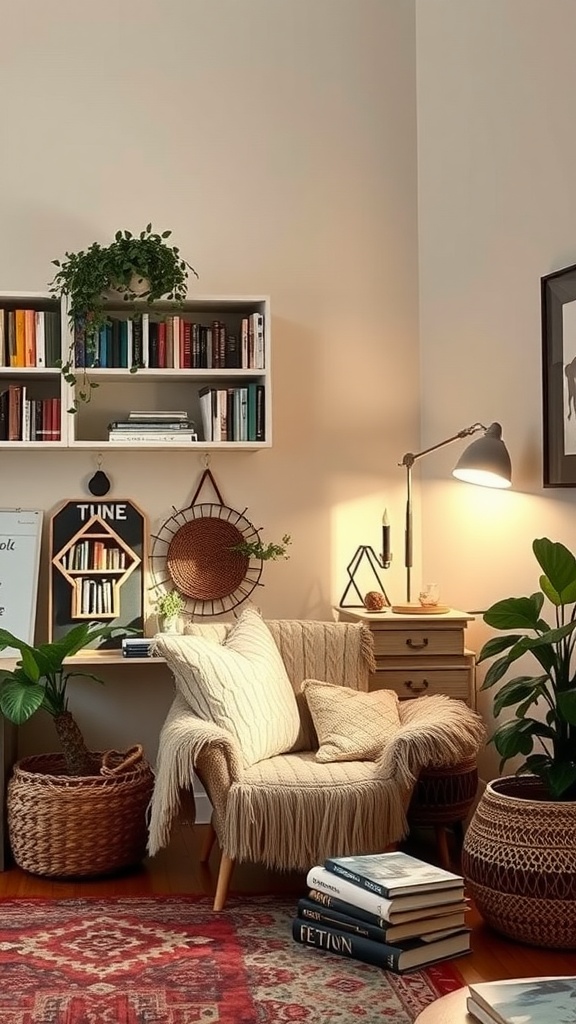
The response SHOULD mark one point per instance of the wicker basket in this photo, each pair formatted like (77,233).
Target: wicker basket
(520,865)
(71,827)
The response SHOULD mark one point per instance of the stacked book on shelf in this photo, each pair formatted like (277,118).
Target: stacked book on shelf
(154,427)
(387,909)
(549,1000)
(137,647)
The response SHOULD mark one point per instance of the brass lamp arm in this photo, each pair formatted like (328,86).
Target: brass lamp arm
(410,457)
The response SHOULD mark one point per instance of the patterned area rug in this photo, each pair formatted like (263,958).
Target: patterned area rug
(171,960)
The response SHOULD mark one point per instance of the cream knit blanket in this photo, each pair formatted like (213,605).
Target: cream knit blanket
(374,795)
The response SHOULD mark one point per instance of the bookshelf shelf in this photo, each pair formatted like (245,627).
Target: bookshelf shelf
(44,391)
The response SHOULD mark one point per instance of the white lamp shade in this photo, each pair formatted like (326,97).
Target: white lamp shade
(486,461)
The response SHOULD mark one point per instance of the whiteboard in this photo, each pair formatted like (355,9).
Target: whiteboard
(20,541)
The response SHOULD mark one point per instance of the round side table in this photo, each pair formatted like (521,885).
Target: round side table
(449,1009)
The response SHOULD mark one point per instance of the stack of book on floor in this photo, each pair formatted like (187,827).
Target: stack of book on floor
(137,647)
(386,909)
(153,426)
(527,1000)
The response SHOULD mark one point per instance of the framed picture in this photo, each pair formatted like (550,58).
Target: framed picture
(558,291)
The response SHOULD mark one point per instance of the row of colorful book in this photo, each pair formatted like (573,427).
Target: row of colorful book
(388,909)
(233,414)
(28,419)
(29,337)
(171,343)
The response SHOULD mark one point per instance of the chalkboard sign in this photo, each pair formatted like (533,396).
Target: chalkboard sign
(20,542)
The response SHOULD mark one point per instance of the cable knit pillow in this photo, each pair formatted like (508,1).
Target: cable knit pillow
(351,725)
(240,685)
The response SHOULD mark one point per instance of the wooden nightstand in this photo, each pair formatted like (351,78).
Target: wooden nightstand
(419,654)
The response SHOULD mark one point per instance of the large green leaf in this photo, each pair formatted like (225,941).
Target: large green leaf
(8,639)
(515,613)
(519,690)
(561,777)
(18,702)
(566,700)
(517,736)
(497,670)
(559,566)
(496,645)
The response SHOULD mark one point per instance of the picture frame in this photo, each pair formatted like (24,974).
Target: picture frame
(558,302)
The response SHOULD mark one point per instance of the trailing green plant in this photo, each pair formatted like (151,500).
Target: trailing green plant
(40,681)
(170,604)
(141,267)
(547,744)
(265,552)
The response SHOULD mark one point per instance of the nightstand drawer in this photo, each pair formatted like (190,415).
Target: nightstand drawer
(416,682)
(418,641)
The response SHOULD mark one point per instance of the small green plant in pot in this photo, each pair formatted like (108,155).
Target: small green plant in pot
(547,741)
(169,607)
(40,681)
(134,267)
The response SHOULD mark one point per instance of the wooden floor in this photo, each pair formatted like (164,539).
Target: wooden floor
(177,870)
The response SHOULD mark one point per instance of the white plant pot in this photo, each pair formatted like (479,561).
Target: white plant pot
(137,287)
(170,624)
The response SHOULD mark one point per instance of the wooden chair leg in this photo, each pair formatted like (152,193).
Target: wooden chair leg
(224,876)
(208,843)
(442,846)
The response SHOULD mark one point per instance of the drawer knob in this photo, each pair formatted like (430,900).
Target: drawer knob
(417,645)
(416,687)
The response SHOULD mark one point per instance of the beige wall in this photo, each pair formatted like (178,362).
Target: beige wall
(278,141)
(497,166)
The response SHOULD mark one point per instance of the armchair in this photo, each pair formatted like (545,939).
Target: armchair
(273,801)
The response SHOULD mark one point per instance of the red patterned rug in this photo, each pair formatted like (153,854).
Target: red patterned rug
(171,960)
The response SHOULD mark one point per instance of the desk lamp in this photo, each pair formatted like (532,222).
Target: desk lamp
(485,462)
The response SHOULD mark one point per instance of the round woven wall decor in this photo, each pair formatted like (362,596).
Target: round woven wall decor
(200,561)
(193,553)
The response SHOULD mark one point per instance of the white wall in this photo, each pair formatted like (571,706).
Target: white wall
(278,141)
(497,166)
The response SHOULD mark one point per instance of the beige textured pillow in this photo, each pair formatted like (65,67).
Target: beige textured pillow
(240,685)
(351,725)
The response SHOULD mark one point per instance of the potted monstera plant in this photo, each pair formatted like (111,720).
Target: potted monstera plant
(144,266)
(520,849)
(64,808)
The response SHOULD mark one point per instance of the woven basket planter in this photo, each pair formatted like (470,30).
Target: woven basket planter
(519,862)
(73,827)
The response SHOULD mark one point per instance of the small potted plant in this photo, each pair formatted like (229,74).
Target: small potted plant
(170,607)
(63,809)
(144,267)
